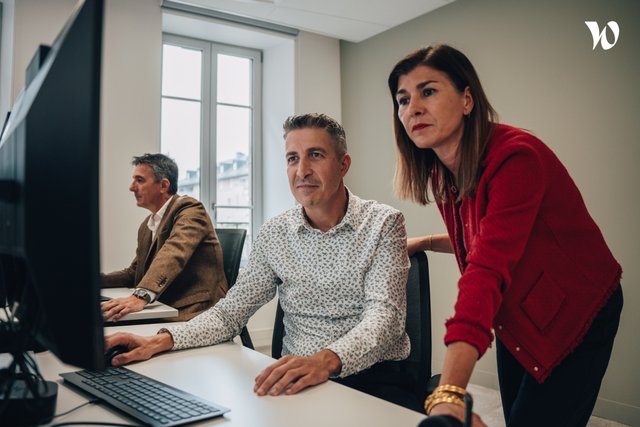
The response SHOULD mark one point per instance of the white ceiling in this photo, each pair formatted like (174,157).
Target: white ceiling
(351,20)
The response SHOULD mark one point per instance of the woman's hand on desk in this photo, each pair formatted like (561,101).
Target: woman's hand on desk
(116,308)
(140,348)
(291,374)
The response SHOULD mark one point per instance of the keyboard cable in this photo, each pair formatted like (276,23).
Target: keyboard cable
(86,423)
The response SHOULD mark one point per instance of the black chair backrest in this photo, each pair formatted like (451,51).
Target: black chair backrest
(418,324)
(278,333)
(232,241)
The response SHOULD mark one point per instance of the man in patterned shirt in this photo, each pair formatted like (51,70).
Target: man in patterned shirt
(339,266)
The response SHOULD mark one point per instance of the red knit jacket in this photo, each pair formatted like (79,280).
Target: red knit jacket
(535,266)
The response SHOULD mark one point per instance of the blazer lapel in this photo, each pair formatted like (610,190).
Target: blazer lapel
(167,219)
(148,245)
(144,245)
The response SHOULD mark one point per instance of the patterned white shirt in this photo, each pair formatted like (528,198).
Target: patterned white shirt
(343,290)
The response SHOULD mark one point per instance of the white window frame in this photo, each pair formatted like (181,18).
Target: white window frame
(208,121)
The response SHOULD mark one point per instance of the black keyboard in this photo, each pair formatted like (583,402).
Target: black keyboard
(143,398)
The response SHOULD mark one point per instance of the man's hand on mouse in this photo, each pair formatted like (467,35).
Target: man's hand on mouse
(140,348)
(116,308)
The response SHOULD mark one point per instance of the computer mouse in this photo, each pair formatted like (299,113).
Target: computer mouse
(113,352)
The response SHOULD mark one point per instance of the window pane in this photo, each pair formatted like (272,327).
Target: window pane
(233,138)
(181,72)
(234,80)
(233,217)
(233,132)
(180,140)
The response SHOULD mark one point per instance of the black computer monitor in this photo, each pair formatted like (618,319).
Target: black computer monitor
(49,200)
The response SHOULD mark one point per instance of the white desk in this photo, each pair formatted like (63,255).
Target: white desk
(224,374)
(155,310)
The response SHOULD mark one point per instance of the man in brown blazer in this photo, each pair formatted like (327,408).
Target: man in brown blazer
(178,260)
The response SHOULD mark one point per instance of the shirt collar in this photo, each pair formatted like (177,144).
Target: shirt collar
(350,219)
(154,220)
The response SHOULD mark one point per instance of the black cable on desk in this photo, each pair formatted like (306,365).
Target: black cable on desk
(87,423)
(93,423)
(77,407)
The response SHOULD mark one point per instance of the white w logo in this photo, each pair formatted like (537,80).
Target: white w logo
(602,36)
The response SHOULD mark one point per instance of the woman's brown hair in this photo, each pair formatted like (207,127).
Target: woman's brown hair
(416,167)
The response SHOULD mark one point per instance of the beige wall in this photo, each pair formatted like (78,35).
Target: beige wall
(536,63)
(130,116)
(317,75)
(130,122)
(45,16)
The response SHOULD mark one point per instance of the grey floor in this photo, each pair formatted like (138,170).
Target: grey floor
(487,405)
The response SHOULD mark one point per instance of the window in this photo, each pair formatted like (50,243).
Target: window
(211,127)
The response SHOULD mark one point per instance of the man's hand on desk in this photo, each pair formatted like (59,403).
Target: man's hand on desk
(292,374)
(140,348)
(116,308)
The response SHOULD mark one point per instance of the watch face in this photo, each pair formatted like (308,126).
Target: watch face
(142,294)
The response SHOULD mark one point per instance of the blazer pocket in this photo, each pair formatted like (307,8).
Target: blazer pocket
(198,297)
(543,302)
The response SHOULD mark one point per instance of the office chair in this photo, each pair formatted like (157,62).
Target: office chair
(278,333)
(418,324)
(232,241)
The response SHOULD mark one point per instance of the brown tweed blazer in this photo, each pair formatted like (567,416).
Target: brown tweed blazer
(183,265)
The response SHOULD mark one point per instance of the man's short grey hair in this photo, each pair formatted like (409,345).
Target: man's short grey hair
(162,166)
(319,121)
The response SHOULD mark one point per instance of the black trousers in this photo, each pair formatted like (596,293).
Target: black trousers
(387,381)
(568,395)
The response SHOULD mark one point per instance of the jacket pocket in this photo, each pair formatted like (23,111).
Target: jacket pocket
(543,302)
(197,297)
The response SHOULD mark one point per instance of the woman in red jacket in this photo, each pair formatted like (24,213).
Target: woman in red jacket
(536,270)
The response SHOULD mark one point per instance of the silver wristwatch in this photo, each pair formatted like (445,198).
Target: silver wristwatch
(142,294)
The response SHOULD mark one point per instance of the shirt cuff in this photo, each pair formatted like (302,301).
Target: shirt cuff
(346,366)
(178,335)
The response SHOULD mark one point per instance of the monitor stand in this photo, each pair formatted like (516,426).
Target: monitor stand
(22,407)
(25,397)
